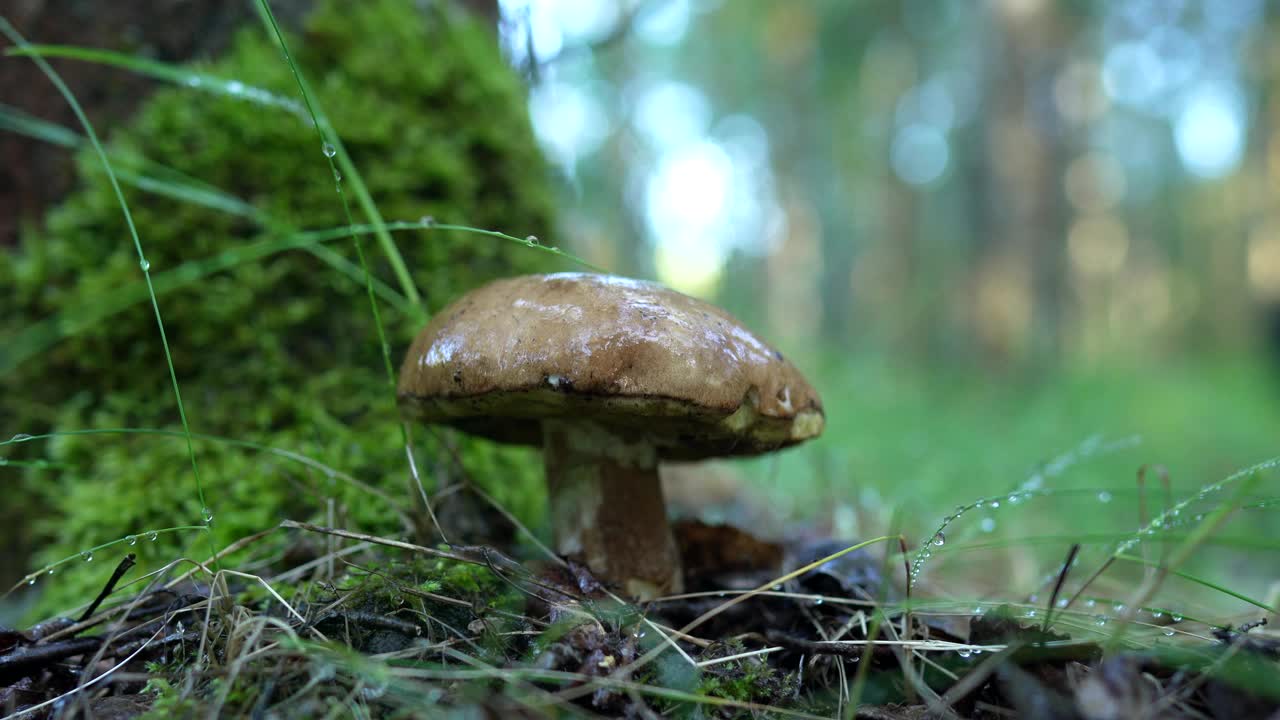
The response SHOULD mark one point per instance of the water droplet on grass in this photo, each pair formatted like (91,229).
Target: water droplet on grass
(964,652)
(939,540)
(153,535)
(1168,632)
(531,240)
(337,176)
(51,571)
(207,514)
(20,437)
(1101,620)
(1176,618)
(1104,497)
(426,221)
(329,150)
(995,503)
(31,580)
(86,556)
(132,539)
(145,264)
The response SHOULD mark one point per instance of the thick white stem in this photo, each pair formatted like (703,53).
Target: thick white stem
(607,507)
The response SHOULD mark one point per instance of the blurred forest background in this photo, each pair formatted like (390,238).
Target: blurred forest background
(992,232)
(1011,183)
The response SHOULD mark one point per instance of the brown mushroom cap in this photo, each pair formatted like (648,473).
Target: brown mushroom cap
(620,352)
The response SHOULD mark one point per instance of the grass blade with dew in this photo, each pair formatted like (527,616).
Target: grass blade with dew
(38,337)
(157,70)
(142,174)
(335,153)
(312,463)
(17,39)
(236,89)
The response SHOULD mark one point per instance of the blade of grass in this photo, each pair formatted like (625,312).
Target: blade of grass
(147,176)
(234,88)
(34,339)
(1206,583)
(17,39)
(335,151)
(164,71)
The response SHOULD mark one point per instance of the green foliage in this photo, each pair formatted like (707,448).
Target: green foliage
(280,351)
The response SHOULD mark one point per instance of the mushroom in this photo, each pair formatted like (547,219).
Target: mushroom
(609,376)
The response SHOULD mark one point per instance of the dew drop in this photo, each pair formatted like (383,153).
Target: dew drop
(1029,613)
(131,539)
(51,571)
(964,652)
(1104,497)
(31,580)
(1014,499)
(337,175)
(145,264)
(20,437)
(427,221)
(939,540)
(977,610)
(329,150)
(86,556)
(1120,607)
(1090,603)
(153,535)
(995,503)
(777,588)
(1176,618)
(531,240)
(207,514)
(1101,620)
(980,503)
(1062,602)
(977,651)
(817,601)
(1168,632)
(1157,614)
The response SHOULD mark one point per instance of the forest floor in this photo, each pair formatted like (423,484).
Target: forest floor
(353,625)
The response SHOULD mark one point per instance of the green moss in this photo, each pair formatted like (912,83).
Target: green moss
(282,350)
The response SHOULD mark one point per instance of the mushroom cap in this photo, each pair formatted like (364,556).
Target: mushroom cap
(633,356)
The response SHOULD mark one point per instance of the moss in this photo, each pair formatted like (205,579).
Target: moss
(281,351)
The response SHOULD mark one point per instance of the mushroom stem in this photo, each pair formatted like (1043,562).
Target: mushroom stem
(607,507)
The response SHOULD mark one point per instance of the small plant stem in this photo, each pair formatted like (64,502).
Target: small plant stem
(125,565)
